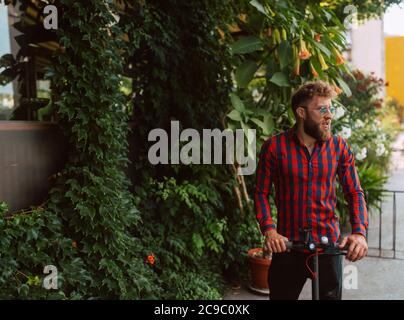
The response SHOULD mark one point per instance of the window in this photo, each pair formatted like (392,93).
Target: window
(6,92)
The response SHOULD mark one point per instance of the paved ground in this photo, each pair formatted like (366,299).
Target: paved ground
(378,278)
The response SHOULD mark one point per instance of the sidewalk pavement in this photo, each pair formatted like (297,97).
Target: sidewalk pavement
(378,279)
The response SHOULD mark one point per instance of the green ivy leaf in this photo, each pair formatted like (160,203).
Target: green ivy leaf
(32,234)
(197,240)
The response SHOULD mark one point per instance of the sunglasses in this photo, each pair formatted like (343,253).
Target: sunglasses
(324,109)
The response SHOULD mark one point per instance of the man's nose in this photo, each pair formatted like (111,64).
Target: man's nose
(328,114)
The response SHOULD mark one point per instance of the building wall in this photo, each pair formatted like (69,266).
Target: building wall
(367,48)
(395,67)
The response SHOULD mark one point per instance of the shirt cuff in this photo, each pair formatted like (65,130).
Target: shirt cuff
(267,227)
(359,229)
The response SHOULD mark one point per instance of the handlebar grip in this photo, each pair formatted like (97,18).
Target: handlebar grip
(289,245)
(336,246)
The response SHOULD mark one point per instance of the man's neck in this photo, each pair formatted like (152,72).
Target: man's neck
(307,140)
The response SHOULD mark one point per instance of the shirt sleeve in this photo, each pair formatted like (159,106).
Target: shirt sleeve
(354,195)
(263,188)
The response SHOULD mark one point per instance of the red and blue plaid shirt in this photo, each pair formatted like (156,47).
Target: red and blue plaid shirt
(305,187)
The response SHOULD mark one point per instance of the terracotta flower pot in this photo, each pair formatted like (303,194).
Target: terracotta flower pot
(259,267)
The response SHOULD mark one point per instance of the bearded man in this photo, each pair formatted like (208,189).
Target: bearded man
(303,164)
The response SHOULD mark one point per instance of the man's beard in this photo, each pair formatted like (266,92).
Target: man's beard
(313,129)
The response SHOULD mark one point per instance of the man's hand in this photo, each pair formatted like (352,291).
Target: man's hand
(358,247)
(274,242)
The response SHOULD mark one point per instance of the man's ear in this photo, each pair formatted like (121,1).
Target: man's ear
(301,113)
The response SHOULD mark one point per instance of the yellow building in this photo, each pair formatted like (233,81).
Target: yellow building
(395,67)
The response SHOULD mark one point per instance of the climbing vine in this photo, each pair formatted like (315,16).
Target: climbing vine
(91,202)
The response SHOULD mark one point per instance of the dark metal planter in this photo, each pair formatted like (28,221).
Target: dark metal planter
(30,153)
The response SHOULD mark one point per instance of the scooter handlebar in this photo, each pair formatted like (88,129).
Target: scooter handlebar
(313,245)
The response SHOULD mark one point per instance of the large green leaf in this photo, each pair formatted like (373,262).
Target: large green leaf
(245,73)
(234,115)
(344,87)
(323,48)
(246,45)
(259,7)
(268,124)
(237,103)
(317,67)
(258,123)
(280,79)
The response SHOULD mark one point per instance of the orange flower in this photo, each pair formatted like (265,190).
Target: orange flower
(150,259)
(339,59)
(234,28)
(317,37)
(358,75)
(221,33)
(337,90)
(243,17)
(313,71)
(304,53)
(74,244)
(377,104)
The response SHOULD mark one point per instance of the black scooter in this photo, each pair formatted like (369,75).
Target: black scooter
(323,247)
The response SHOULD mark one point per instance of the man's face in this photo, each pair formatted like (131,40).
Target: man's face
(317,122)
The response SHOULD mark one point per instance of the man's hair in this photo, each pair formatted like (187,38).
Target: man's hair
(303,95)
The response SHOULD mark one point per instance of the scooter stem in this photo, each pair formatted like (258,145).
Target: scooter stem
(315,281)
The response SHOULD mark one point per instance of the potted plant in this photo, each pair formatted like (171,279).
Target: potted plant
(259,268)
